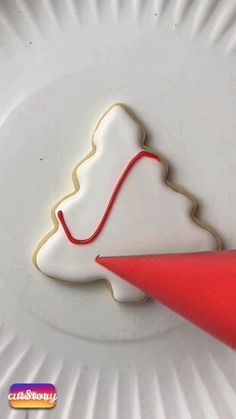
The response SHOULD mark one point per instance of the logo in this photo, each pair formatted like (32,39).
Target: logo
(32,396)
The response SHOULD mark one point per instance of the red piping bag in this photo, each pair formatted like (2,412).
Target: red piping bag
(201,287)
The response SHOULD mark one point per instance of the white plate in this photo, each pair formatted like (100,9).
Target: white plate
(62,64)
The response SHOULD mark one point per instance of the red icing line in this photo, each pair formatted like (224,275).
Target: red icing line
(99,228)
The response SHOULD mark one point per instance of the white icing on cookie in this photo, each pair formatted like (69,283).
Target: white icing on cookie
(147,216)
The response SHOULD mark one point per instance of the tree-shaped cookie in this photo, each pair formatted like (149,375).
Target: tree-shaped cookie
(121,205)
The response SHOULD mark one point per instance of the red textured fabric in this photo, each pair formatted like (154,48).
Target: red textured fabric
(199,286)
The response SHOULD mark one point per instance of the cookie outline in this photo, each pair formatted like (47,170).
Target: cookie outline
(169,183)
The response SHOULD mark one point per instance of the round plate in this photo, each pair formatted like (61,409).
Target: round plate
(62,65)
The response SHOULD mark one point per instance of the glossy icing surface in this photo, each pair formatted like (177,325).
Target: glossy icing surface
(146,215)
